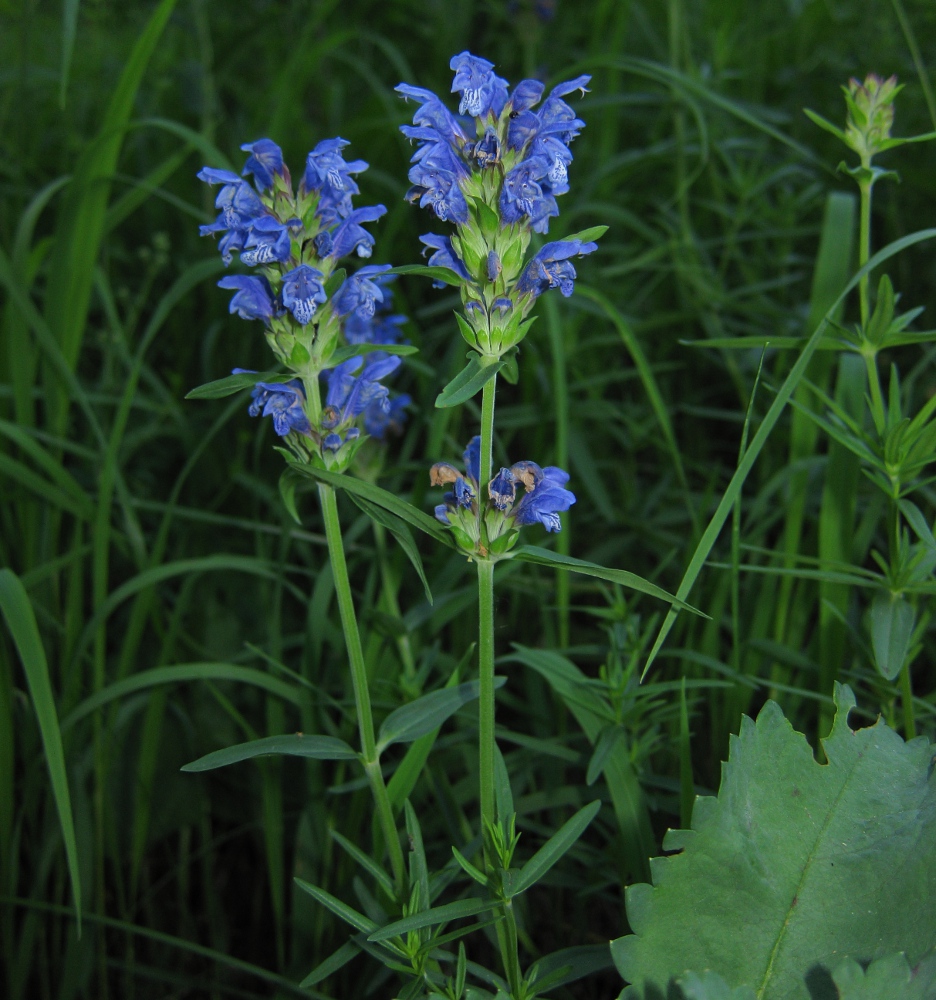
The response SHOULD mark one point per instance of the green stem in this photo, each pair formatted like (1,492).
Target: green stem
(359,683)
(864,248)
(487,435)
(486,700)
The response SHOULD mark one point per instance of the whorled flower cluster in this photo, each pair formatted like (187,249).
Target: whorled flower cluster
(293,241)
(496,175)
(487,526)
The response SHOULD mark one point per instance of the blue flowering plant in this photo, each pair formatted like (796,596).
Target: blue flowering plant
(495,171)
(333,331)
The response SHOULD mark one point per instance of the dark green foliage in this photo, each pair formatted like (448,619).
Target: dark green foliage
(180,608)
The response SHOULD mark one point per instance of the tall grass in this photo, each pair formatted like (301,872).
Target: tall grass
(161,603)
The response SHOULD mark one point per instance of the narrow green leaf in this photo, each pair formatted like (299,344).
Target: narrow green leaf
(406,511)
(468,382)
(423,270)
(544,557)
(69,31)
(292,745)
(400,532)
(337,960)
(20,620)
(429,918)
(503,796)
(347,913)
(589,235)
(554,848)
(826,125)
(603,748)
(365,861)
(419,717)
(230,384)
(468,868)
(181,674)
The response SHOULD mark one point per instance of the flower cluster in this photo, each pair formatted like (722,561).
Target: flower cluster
(318,319)
(497,178)
(488,527)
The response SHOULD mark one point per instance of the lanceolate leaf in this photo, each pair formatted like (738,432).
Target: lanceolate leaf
(555,560)
(383,498)
(795,866)
(293,745)
(557,845)
(230,384)
(468,382)
(425,271)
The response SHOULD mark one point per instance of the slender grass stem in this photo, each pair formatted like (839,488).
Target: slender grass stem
(359,683)
(864,248)
(906,697)
(486,700)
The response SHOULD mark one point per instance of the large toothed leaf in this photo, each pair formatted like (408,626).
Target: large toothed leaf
(794,866)
(886,978)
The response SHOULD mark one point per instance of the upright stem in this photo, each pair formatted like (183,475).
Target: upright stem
(359,683)
(486,699)
(487,434)
(864,247)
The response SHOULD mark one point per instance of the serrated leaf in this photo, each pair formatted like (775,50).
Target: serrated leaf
(383,498)
(291,745)
(555,560)
(795,864)
(892,620)
(887,978)
(709,985)
(234,383)
(409,722)
(468,382)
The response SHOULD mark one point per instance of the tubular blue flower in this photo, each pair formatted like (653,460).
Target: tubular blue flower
(378,420)
(543,501)
(502,489)
(350,236)
(381,328)
(493,266)
(302,292)
(472,458)
(354,385)
(239,206)
(433,114)
(268,240)
(551,268)
(284,402)
(481,91)
(328,173)
(254,298)
(486,151)
(436,180)
(265,162)
(444,256)
(359,293)
(526,94)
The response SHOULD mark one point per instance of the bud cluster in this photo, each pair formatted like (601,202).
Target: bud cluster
(487,527)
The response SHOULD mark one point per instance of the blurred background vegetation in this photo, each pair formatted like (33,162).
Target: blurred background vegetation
(149,532)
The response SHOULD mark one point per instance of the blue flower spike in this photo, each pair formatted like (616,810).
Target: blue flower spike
(497,187)
(490,529)
(294,240)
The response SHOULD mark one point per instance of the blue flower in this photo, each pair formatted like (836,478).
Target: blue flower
(265,161)
(433,114)
(254,298)
(436,175)
(551,268)
(328,173)
(525,196)
(526,94)
(472,458)
(268,240)
(354,385)
(284,402)
(486,151)
(239,206)
(381,328)
(378,420)
(544,499)
(502,489)
(481,91)
(359,293)
(444,256)
(350,236)
(302,292)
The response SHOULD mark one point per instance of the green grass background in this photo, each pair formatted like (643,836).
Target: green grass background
(161,603)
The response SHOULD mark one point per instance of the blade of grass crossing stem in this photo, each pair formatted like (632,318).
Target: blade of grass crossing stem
(712,531)
(21,622)
(556,335)
(80,225)
(69,31)
(918,62)
(833,265)
(836,533)
(650,387)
